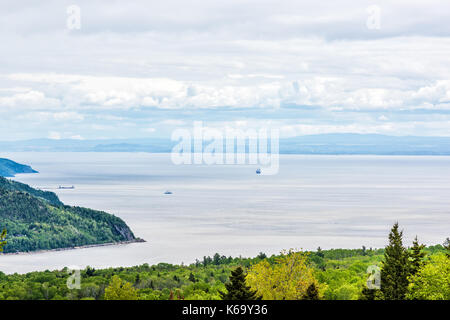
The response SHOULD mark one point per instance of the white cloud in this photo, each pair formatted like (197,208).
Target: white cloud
(54,135)
(28,100)
(182,59)
(123,93)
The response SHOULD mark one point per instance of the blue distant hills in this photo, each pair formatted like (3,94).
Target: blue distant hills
(349,143)
(342,143)
(10,168)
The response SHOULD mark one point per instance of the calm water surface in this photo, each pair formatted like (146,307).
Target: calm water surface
(326,201)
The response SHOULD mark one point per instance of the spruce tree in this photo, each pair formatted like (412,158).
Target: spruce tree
(396,267)
(319,252)
(312,293)
(237,289)
(370,294)
(447,247)
(367,294)
(2,239)
(137,280)
(417,255)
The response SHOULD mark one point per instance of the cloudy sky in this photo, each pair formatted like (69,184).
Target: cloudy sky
(144,68)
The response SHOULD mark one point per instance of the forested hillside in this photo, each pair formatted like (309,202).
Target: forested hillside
(38,220)
(47,196)
(10,168)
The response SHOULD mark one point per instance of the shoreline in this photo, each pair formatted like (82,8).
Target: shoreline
(137,240)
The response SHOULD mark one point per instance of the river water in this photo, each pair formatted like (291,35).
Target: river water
(326,201)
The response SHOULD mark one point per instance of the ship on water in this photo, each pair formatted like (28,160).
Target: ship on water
(63,187)
(258,171)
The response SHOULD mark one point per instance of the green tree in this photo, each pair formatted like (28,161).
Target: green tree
(417,256)
(237,288)
(447,246)
(312,293)
(367,294)
(120,290)
(287,278)
(192,277)
(261,255)
(137,280)
(2,239)
(396,267)
(90,271)
(319,252)
(432,281)
(216,259)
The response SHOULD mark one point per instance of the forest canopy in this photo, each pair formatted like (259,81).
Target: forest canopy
(38,220)
(336,274)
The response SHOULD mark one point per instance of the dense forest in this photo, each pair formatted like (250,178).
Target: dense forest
(10,185)
(38,220)
(10,168)
(416,272)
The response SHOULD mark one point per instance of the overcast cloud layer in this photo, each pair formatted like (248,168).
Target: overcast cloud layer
(144,68)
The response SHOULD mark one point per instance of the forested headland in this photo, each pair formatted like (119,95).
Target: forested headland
(9,168)
(38,220)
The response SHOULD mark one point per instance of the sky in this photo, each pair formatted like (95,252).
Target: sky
(141,69)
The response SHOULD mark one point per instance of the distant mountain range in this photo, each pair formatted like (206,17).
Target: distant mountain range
(10,168)
(345,143)
(375,144)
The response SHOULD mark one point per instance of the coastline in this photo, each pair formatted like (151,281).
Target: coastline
(137,240)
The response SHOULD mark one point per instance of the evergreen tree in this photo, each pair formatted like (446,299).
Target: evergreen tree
(192,277)
(367,294)
(90,271)
(312,293)
(2,239)
(370,294)
(396,267)
(262,255)
(319,252)
(237,289)
(216,259)
(417,255)
(447,247)
(137,280)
